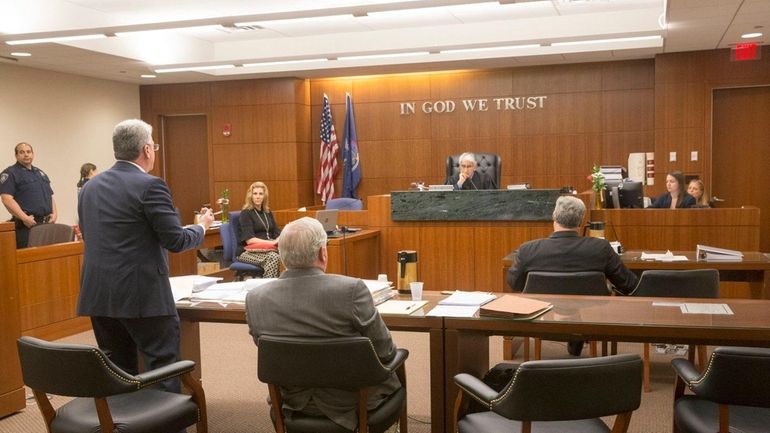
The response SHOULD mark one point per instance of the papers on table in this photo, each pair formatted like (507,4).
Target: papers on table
(381,290)
(703,252)
(460,297)
(697,307)
(668,256)
(453,311)
(400,307)
(184,287)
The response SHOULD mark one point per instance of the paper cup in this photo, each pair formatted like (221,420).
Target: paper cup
(416,288)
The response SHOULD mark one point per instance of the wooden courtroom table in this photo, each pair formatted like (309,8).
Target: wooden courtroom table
(754,269)
(11,385)
(191,316)
(613,318)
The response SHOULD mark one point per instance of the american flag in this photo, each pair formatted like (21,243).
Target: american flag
(329,149)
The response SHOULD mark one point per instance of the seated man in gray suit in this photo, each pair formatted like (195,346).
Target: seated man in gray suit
(566,251)
(307,302)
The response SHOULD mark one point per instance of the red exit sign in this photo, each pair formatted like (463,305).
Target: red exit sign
(747,51)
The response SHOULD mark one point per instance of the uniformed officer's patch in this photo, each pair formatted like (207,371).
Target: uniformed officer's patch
(3,177)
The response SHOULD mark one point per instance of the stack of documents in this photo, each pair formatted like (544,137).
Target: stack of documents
(668,256)
(381,290)
(183,286)
(703,252)
(202,289)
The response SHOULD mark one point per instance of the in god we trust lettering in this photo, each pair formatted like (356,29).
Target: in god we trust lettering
(509,103)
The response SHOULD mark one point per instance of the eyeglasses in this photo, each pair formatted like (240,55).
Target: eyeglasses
(466,165)
(155,146)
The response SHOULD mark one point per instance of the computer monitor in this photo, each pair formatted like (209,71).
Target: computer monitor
(631,194)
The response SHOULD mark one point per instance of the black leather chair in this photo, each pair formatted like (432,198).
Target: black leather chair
(566,395)
(47,234)
(108,399)
(487,163)
(589,283)
(230,233)
(730,396)
(346,363)
(696,283)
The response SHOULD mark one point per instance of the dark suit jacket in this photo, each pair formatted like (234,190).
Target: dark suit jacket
(128,222)
(477,181)
(664,201)
(567,251)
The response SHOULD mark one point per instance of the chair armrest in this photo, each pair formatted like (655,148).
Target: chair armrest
(398,360)
(685,369)
(475,388)
(164,373)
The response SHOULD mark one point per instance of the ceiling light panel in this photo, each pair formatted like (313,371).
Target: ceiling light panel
(311,26)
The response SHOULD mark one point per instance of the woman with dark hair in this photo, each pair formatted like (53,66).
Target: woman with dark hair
(87,171)
(676,196)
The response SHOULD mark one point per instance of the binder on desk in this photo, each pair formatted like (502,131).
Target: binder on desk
(515,307)
(703,252)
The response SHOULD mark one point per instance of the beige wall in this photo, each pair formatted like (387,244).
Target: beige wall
(68,119)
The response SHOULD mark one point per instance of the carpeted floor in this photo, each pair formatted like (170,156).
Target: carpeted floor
(237,400)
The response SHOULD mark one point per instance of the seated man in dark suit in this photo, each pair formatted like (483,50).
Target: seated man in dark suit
(566,251)
(307,302)
(468,178)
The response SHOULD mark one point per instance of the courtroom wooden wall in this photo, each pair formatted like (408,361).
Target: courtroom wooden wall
(269,140)
(594,113)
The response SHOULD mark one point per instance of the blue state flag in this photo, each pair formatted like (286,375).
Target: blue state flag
(351,166)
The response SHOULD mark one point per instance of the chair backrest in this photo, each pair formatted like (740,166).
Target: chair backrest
(696,283)
(74,370)
(345,203)
(572,389)
(736,375)
(47,234)
(566,283)
(488,163)
(344,362)
(228,243)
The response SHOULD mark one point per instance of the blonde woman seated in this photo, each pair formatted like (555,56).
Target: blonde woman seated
(698,192)
(259,232)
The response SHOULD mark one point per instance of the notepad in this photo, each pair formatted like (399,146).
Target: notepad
(400,307)
(453,311)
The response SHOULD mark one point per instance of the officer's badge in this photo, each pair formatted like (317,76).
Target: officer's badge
(3,177)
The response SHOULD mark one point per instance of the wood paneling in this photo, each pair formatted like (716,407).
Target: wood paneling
(11,385)
(257,92)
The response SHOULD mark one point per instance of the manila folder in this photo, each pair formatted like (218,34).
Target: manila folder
(515,307)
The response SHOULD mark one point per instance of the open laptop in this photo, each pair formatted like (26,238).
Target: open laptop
(328,219)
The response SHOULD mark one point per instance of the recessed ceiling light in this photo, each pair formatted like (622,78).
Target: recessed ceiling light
(193,68)
(479,50)
(285,62)
(56,39)
(602,41)
(21,54)
(751,35)
(148,76)
(383,56)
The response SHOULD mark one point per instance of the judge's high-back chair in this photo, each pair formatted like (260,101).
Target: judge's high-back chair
(696,283)
(108,400)
(230,232)
(487,163)
(589,283)
(730,396)
(564,395)
(345,363)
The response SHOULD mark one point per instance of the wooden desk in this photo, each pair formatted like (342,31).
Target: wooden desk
(190,318)
(357,254)
(11,385)
(614,318)
(754,269)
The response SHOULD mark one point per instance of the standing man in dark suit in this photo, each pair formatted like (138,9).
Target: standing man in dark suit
(307,302)
(566,251)
(128,222)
